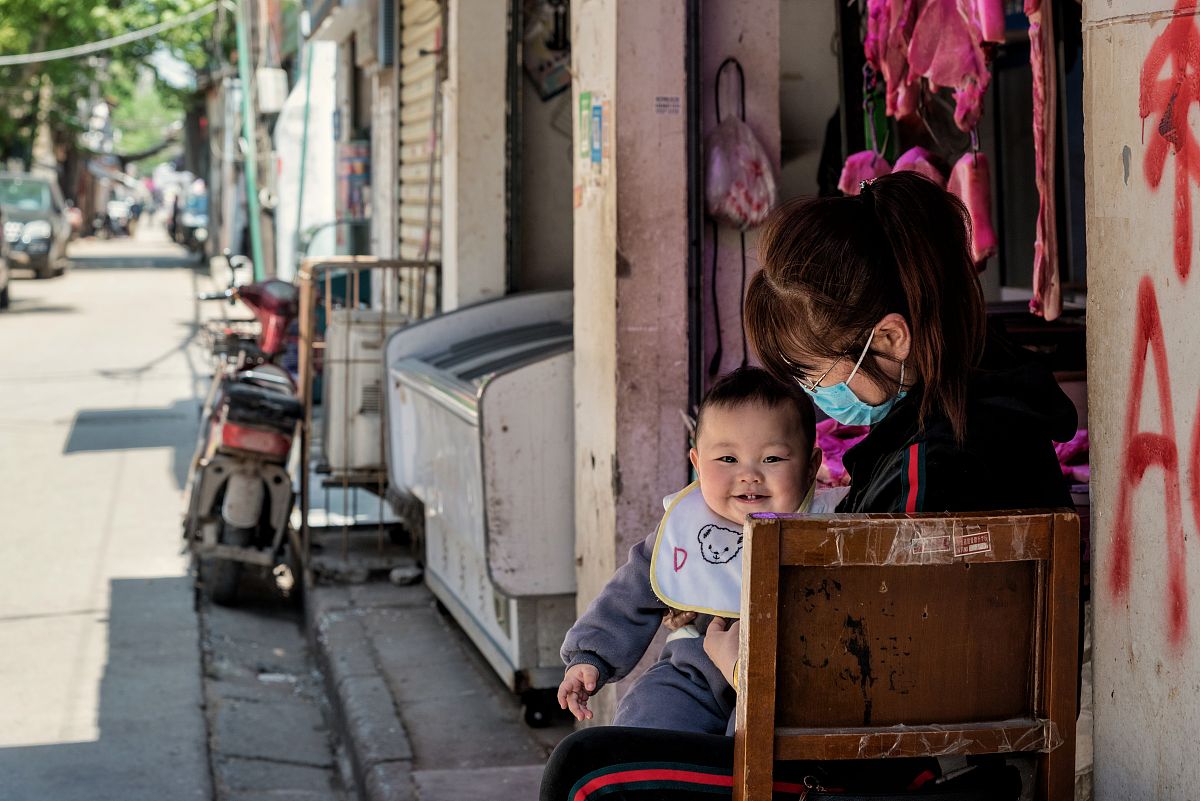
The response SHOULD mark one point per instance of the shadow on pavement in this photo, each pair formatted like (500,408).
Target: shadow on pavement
(152,739)
(134,429)
(21,305)
(138,262)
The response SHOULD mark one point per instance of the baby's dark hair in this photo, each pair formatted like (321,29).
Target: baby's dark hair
(753,385)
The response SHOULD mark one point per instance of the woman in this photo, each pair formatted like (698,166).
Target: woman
(872,304)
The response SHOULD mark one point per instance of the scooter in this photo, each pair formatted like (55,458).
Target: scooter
(240,492)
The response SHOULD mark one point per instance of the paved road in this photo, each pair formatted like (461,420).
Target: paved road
(100,678)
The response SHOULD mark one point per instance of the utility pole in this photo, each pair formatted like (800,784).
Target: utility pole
(249,133)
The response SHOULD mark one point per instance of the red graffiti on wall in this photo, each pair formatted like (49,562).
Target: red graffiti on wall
(1170,98)
(1142,450)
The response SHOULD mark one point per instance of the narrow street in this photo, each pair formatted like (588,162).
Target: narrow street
(108,693)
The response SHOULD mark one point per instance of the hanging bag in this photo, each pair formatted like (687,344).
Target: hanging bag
(739,184)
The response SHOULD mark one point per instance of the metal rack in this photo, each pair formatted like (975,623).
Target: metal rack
(410,292)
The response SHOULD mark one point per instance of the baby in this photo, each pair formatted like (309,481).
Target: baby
(754,452)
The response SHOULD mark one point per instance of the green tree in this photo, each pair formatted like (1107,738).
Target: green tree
(33,26)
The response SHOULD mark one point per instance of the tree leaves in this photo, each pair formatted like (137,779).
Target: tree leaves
(31,26)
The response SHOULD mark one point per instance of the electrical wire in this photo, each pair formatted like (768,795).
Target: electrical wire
(714,365)
(106,44)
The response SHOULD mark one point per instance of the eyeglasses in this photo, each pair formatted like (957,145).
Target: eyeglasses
(813,386)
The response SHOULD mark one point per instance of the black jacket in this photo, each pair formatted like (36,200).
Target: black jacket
(1015,410)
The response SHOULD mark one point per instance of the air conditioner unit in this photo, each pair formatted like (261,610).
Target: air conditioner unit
(353,388)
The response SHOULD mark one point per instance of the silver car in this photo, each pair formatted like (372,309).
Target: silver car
(36,229)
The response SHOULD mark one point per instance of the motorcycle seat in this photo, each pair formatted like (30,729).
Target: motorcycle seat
(255,405)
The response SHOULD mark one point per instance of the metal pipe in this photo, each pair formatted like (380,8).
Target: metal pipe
(250,166)
(307,54)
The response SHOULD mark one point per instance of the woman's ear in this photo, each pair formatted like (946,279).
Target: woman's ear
(893,338)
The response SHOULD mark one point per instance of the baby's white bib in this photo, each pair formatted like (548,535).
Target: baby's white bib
(697,561)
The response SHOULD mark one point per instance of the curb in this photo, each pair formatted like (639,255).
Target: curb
(365,714)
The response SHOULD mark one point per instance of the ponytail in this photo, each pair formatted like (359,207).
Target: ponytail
(833,267)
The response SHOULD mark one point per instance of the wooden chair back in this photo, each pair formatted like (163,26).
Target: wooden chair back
(873,636)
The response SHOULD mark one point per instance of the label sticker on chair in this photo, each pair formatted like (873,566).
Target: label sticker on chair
(972,542)
(938,543)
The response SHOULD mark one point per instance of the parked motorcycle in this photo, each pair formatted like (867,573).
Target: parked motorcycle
(240,491)
(191,227)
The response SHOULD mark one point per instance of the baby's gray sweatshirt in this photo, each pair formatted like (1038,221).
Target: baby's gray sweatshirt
(615,630)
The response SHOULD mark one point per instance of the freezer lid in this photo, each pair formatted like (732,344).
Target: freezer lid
(473,360)
(459,397)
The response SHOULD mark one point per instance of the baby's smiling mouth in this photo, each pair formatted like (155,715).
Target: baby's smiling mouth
(750,497)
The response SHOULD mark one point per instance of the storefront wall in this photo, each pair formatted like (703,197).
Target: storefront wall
(1142,301)
(630,246)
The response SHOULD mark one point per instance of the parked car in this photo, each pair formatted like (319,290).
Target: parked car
(36,229)
(4,271)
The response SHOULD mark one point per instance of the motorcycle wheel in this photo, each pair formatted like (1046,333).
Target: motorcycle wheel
(221,576)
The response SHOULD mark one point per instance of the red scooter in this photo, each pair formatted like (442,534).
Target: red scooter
(240,492)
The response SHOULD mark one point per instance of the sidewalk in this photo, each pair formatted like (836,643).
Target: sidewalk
(421,714)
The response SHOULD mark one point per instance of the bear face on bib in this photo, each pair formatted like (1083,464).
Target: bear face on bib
(719,545)
(697,561)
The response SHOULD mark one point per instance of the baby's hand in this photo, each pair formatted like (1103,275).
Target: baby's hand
(577,686)
(675,619)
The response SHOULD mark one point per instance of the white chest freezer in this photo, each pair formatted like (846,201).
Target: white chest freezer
(480,417)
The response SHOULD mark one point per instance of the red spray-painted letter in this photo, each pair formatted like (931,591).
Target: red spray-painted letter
(1142,450)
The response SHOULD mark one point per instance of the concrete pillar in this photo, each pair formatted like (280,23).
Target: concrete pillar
(474,153)
(630,278)
(1145,379)
(747,30)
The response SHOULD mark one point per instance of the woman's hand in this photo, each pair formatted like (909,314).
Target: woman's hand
(721,645)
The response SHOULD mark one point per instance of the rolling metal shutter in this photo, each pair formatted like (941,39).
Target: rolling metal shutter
(419,223)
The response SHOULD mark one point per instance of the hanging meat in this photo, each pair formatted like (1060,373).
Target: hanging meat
(862,166)
(889,29)
(918,159)
(945,50)
(1047,293)
(971,181)
(990,14)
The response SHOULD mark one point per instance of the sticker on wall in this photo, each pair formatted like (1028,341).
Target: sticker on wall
(597,133)
(668,104)
(578,192)
(585,124)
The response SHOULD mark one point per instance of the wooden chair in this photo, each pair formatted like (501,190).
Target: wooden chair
(874,636)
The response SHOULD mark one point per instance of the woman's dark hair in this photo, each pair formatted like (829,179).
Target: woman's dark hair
(832,268)
(747,386)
